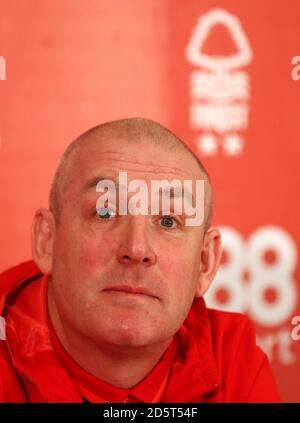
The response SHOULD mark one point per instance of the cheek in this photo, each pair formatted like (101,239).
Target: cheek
(95,253)
(179,265)
(83,252)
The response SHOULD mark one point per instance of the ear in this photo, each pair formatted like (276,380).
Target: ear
(43,232)
(209,261)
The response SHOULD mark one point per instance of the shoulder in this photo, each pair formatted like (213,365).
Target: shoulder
(10,388)
(233,336)
(244,367)
(11,278)
(231,326)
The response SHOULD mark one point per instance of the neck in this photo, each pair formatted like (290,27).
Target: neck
(113,364)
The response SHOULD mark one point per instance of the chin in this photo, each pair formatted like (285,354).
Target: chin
(128,336)
(123,330)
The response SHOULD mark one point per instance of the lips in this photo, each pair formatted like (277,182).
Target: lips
(128,289)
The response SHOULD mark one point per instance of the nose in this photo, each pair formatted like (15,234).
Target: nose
(135,246)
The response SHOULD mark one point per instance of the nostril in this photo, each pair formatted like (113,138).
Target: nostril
(128,259)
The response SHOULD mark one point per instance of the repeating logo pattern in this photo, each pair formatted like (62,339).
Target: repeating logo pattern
(256,277)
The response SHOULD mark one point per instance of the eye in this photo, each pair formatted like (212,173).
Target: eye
(168,222)
(105,213)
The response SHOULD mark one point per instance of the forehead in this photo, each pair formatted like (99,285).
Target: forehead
(141,158)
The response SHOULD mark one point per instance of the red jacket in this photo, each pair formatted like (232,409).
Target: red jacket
(221,360)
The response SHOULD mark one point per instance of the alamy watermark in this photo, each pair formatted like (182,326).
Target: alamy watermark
(2,69)
(177,197)
(2,329)
(295,334)
(295,73)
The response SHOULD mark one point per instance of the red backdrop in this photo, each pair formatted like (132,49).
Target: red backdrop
(218,73)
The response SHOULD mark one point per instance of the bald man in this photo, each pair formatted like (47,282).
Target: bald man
(111,308)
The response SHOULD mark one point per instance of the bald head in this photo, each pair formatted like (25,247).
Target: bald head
(135,130)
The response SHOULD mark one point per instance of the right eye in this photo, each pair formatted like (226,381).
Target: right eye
(105,213)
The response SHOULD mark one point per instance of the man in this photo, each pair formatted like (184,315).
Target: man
(111,310)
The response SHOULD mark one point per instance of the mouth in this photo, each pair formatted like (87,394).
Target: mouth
(130,290)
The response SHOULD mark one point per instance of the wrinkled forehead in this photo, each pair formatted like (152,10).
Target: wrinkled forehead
(143,158)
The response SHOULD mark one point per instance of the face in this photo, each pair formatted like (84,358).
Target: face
(124,280)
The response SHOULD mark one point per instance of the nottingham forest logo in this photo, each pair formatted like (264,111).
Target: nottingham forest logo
(219,89)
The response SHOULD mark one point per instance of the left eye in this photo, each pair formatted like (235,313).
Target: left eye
(168,222)
(106,213)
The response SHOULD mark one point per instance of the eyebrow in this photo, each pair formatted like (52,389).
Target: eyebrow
(174,194)
(93,182)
